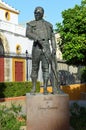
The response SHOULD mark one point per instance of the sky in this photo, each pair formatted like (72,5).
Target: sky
(52,8)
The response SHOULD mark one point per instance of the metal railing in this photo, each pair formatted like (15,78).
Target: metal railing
(15,55)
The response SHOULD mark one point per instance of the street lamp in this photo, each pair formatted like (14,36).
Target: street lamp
(26,65)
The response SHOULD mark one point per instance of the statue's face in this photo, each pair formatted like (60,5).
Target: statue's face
(38,13)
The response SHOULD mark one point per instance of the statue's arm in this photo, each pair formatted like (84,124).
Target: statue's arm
(54,47)
(30,32)
(53,42)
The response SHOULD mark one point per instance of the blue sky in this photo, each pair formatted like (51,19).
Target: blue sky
(53,8)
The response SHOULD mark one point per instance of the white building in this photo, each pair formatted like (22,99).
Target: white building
(13,45)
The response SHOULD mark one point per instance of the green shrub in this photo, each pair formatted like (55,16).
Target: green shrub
(78,117)
(83,75)
(9,118)
(13,89)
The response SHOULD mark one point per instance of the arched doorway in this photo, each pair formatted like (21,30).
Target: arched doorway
(4,62)
(1,61)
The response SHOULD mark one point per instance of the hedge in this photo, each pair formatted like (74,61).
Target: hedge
(14,89)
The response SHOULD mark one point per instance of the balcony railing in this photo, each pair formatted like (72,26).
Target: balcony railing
(14,55)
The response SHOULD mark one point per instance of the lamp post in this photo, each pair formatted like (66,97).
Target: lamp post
(26,65)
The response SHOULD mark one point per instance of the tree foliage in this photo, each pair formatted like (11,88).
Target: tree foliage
(73,34)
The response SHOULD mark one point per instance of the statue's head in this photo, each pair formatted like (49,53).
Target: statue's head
(38,13)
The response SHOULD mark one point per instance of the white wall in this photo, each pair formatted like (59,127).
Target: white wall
(15,40)
(13,17)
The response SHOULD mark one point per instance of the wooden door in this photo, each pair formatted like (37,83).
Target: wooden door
(18,71)
(1,69)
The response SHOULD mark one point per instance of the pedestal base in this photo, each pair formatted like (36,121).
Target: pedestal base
(47,112)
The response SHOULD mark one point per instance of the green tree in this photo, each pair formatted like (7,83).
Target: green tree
(73,34)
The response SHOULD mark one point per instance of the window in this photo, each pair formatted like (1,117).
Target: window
(7,15)
(18,49)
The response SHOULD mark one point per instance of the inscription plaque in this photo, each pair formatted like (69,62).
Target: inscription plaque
(47,112)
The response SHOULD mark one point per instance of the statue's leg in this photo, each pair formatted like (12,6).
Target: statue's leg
(45,86)
(45,70)
(56,87)
(34,80)
(35,68)
(54,84)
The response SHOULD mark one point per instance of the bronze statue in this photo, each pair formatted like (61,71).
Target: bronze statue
(41,32)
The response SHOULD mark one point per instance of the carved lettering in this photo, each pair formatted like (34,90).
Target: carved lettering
(48,98)
(49,107)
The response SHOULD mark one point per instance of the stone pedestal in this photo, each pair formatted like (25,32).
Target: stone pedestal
(47,112)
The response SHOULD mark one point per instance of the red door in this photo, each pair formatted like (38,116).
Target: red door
(18,71)
(1,69)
